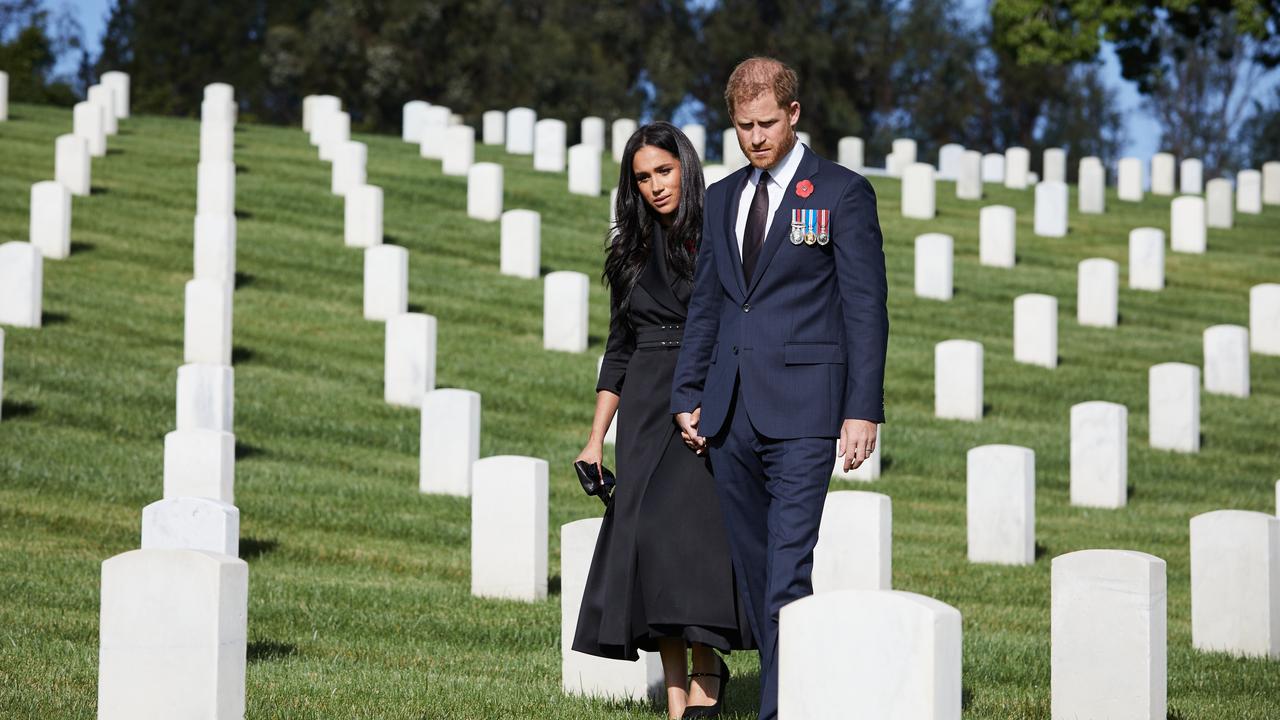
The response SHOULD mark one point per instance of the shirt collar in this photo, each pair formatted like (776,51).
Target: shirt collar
(782,173)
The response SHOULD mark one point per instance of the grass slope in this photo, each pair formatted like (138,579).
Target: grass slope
(359,602)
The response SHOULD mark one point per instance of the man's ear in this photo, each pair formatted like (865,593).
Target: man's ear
(793,112)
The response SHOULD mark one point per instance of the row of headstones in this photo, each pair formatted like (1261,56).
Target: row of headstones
(174,613)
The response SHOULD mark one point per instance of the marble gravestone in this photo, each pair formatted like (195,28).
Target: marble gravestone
(993,168)
(484,191)
(493,127)
(1226,360)
(4,96)
(216,188)
(1,373)
(1099,454)
(191,523)
(87,122)
(1129,179)
(855,543)
(450,441)
(335,129)
(386,282)
(215,248)
(72,167)
(584,170)
(521,245)
(957,372)
(1187,224)
(1108,625)
(206,397)
(1235,583)
(102,95)
(969,179)
(949,161)
(21,285)
(997,228)
(1017,167)
(1219,212)
(1051,209)
(1035,330)
(207,324)
(1174,407)
(620,132)
(1092,186)
(591,132)
(173,635)
(520,122)
(549,145)
(850,153)
(1264,319)
(1098,293)
(409,370)
(362,217)
(50,220)
(1249,192)
(1191,177)
(200,463)
(413,118)
(1146,258)
(1271,183)
(459,150)
(918,191)
(435,126)
(1055,165)
(349,167)
(933,266)
(509,498)
(1001,504)
(869,654)
(731,151)
(564,311)
(903,153)
(1162,171)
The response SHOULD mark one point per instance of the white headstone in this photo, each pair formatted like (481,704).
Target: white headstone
(220,91)
(1162,174)
(1146,258)
(697,135)
(934,264)
(584,170)
(997,228)
(173,635)
(362,217)
(549,145)
(1051,209)
(4,96)
(21,284)
(459,150)
(1191,177)
(521,244)
(969,177)
(450,441)
(993,168)
(493,127)
(215,248)
(564,311)
(949,161)
(1,373)
(484,191)
(1235,583)
(855,543)
(1187,225)
(620,133)
(803,138)
(218,113)
(308,109)
(410,359)
(903,153)
(1017,167)
(200,463)
(1055,165)
(71,164)
(1271,183)
(850,152)
(1219,212)
(1099,454)
(349,167)
(87,122)
(386,281)
(191,523)
(1173,407)
(50,224)
(435,125)
(1098,292)
(335,129)
(957,380)
(1035,330)
(580,673)
(1264,319)
(1001,504)
(102,95)
(869,470)
(207,326)
(520,123)
(321,107)
(217,142)
(711,174)
(216,188)
(1129,179)
(1249,192)
(591,132)
(412,119)
(731,151)
(1092,186)
(918,191)
(206,397)
(1109,625)
(509,528)
(1226,360)
(869,654)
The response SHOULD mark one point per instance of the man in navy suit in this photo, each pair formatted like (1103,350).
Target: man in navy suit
(782,362)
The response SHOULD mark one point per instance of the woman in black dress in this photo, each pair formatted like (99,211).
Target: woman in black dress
(661,578)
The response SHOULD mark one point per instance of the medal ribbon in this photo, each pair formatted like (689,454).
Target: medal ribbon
(824,223)
(811,221)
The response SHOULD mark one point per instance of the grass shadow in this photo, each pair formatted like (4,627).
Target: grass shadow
(245,450)
(241,355)
(553,585)
(244,215)
(415,308)
(1041,551)
(242,169)
(886,462)
(966,697)
(10,410)
(54,318)
(82,247)
(254,548)
(98,190)
(244,280)
(114,151)
(1129,491)
(268,650)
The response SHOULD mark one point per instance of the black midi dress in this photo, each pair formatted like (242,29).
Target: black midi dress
(661,566)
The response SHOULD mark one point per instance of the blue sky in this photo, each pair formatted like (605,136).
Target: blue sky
(1142,130)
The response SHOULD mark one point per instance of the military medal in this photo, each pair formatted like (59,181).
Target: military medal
(824,227)
(797,227)
(810,227)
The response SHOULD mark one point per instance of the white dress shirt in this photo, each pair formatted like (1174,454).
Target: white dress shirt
(780,177)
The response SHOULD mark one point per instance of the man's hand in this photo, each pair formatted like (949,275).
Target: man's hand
(857,440)
(688,423)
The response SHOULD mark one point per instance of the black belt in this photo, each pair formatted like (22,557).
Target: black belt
(659,336)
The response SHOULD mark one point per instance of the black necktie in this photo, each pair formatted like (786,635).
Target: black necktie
(757,218)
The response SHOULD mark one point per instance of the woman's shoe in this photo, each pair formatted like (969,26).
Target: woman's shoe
(710,711)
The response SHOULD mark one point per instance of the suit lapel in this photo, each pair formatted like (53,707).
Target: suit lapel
(781,224)
(731,223)
(654,279)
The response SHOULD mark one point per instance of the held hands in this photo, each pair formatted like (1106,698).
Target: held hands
(857,441)
(688,424)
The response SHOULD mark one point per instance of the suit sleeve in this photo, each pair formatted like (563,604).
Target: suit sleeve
(701,325)
(863,295)
(617,349)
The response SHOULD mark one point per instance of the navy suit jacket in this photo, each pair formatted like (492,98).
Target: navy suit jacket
(806,336)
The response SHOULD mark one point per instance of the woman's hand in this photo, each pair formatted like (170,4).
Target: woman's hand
(592,454)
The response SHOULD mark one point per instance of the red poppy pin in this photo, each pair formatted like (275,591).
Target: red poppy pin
(804,188)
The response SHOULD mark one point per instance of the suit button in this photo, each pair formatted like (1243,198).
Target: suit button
(735,349)
(746,307)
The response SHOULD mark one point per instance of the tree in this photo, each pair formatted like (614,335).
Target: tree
(30,44)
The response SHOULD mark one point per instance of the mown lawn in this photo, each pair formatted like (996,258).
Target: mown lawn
(359,587)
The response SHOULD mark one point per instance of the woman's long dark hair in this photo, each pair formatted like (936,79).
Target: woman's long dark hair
(630,238)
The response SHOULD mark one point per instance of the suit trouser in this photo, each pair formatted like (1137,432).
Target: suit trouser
(772,494)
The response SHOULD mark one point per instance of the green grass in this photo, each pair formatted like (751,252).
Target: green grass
(359,600)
